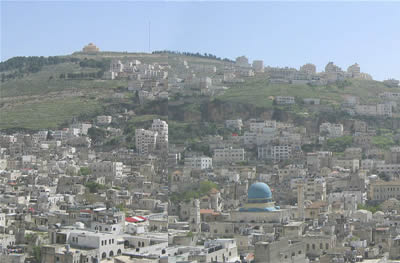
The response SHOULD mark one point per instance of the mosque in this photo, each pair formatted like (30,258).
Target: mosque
(260,207)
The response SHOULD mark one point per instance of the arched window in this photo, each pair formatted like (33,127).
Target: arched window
(111,254)
(104,255)
(119,252)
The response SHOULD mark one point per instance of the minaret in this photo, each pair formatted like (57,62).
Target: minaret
(300,201)
(194,218)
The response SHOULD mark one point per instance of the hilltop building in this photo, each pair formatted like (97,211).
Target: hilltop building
(258,65)
(242,62)
(354,70)
(309,68)
(90,48)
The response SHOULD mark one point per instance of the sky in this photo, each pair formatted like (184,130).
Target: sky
(280,33)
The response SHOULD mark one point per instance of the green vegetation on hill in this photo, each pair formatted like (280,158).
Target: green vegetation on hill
(339,144)
(383,141)
(258,90)
(48,80)
(47,114)
(191,54)
(180,132)
(18,66)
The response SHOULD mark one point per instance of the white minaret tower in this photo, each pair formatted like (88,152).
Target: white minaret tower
(300,200)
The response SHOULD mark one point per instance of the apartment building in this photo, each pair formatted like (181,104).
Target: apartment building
(332,130)
(145,141)
(107,169)
(262,126)
(228,155)
(161,127)
(382,190)
(375,110)
(391,169)
(201,163)
(275,152)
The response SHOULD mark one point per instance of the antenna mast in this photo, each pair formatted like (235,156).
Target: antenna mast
(149,38)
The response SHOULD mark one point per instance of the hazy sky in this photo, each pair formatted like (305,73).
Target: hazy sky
(280,33)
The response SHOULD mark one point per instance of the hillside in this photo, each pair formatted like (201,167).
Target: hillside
(57,89)
(256,90)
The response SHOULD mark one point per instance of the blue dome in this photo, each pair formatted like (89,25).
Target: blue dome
(259,191)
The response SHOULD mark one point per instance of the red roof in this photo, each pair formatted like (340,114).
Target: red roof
(135,219)
(209,211)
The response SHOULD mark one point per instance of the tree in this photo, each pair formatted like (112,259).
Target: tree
(339,144)
(95,187)
(96,134)
(279,115)
(85,171)
(37,253)
(49,136)
(384,176)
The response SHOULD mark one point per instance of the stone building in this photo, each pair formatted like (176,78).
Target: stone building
(90,48)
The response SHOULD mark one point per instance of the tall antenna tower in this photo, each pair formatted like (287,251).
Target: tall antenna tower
(149,38)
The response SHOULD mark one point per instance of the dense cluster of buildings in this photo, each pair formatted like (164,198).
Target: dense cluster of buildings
(257,189)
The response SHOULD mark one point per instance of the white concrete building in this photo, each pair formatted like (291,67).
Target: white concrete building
(332,130)
(264,126)
(201,163)
(107,244)
(284,100)
(103,120)
(161,127)
(258,65)
(234,124)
